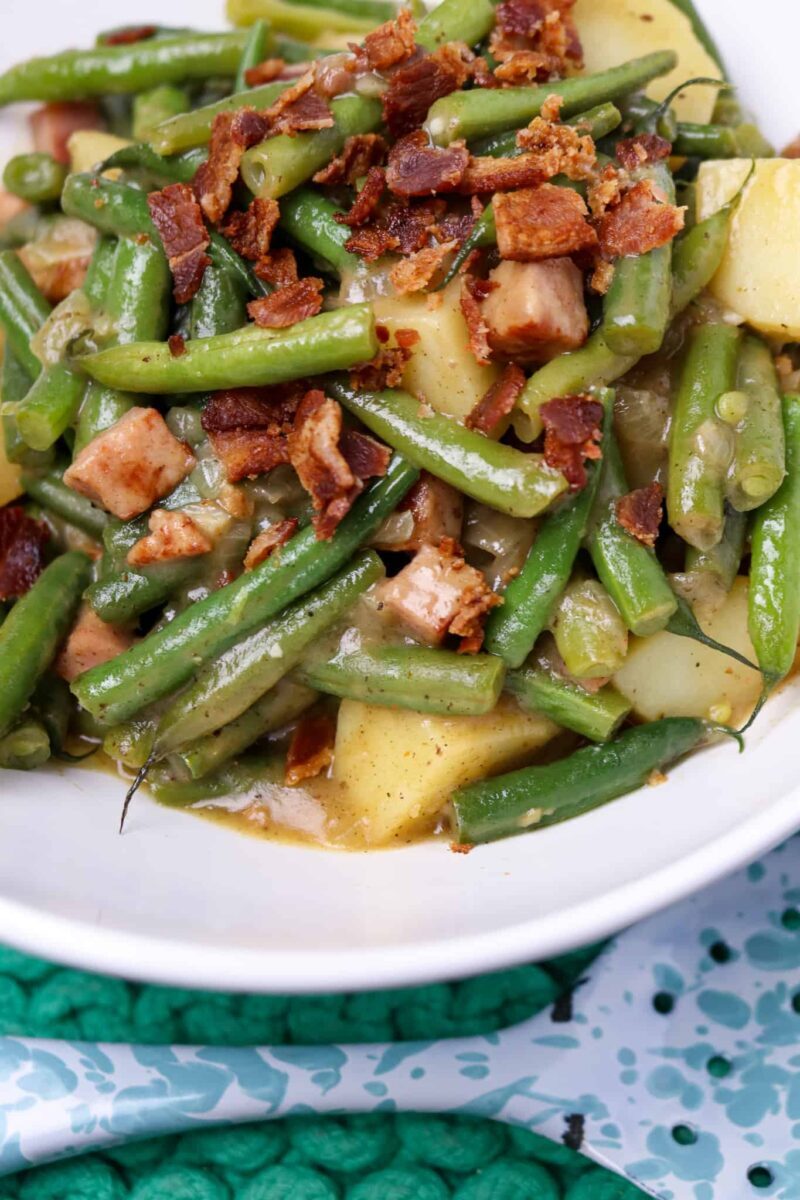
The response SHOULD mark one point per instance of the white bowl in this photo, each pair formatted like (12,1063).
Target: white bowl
(178,900)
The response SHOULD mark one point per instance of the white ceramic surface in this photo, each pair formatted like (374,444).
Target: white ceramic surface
(180,901)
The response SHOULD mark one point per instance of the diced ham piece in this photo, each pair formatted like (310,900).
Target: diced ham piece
(130,466)
(91,643)
(437,511)
(536,311)
(438,593)
(53,125)
(10,206)
(172,535)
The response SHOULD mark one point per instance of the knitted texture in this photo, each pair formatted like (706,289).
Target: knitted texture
(386,1157)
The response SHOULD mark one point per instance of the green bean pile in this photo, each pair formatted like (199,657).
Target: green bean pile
(573,562)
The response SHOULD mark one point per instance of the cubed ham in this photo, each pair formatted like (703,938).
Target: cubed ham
(130,466)
(172,535)
(91,643)
(10,206)
(54,124)
(536,311)
(438,593)
(436,510)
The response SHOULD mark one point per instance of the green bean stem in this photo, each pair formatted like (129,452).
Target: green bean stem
(594,715)
(759,458)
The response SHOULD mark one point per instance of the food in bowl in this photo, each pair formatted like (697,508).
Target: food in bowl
(402,437)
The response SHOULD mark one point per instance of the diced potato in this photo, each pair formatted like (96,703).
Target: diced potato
(88,147)
(442,371)
(613,31)
(759,277)
(669,676)
(397,768)
(10,477)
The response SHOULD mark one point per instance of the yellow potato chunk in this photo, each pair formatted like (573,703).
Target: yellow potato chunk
(669,676)
(442,371)
(613,31)
(88,147)
(10,477)
(396,769)
(759,276)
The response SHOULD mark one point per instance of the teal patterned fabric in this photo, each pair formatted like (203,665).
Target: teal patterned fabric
(386,1157)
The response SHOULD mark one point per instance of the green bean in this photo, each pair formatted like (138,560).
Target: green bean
(224,256)
(32,632)
(277,708)
(37,178)
(594,715)
(104,70)
(53,705)
(483,112)
(242,775)
(25,747)
(131,743)
(374,11)
(759,458)
(51,405)
(52,493)
(589,632)
(640,114)
(517,483)
(417,677)
(242,674)
(636,312)
(483,233)
(697,255)
(308,218)
(721,562)
(684,623)
(721,141)
(101,268)
(774,596)
(122,594)
(292,50)
(138,292)
(192,129)
(530,598)
(296,20)
(16,383)
(23,310)
(597,122)
(167,659)
(454,21)
(141,157)
(699,451)
(219,305)
(255,51)
(536,797)
(155,106)
(100,408)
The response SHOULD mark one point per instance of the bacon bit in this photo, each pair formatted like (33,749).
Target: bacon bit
(604,191)
(407,338)
(561,150)
(90,643)
(473,292)
(278,268)
(482,75)
(250,232)
(386,370)
(365,457)
(544,28)
(22,542)
(602,277)
(231,135)
(456,227)
(270,408)
(321,467)
(264,72)
(290,304)
(360,153)
(371,243)
(551,109)
(644,148)
(412,224)
(308,112)
(415,273)
(416,168)
(523,67)
(268,540)
(485,174)
(54,124)
(172,535)
(247,453)
(311,748)
(639,222)
(573,431)
(179,221)
(413,88)
(792,150)
(55,279)
(389,44)
(461,847)
(437,511)
(129,35)
(542,222)
(640,513)
(366,201)
(498,401)
(177,345)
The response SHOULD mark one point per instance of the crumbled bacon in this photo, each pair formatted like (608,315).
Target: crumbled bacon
(416,168)
(231,135)
(269,540)
(486,174)
(411,224)
(639,222)
(414,87)
(498,401)
(309,111)
(524,67)
(129,35)
(311,748)
(604,191)
(542,222)
(247,453)
(792,150)
(456,227)
(321,467)
(250,232)
(644,148)
(437,512)
(278,268)
(177,345)
(22,542)
(371,243)
(416,272)
(640,513)
(360,152)
(173,534)
(601,277)
(551,109)
(288,305)
(248,428)
(473,292)
(264,72)
(543,29)
(560,149)
(389,44)
(56,279)
(179,221)
(573,431)
(366,201)
(365,457)
(386,370)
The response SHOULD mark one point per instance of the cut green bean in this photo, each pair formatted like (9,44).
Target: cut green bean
(37,177)
(53,494)
(593,714)
(141,157)
(54,706)
(132,742)
(192,129)
(104,70)
(721,141)
(481,113)
(700,444)
(100,408)
(16,383)
(514,482)
(597,122)
(375,11)
(33,630)
(242,674)
(297,20)
(25,747)
(250,774)
(759,458)
(774,595)
(255,51)
(308,218)
(219,306)
(589,632)
(23,310)
(536,797)
(155,106)
(417,677)
(51,405)
(138,298)
(123,593)
(167,659)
